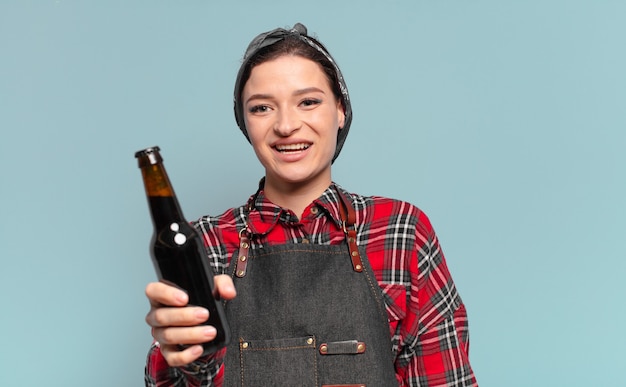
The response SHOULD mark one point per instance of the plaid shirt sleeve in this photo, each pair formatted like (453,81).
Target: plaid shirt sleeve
(435,337)
(428,321)
(204,372)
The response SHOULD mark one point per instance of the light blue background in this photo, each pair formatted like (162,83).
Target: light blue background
(503,120)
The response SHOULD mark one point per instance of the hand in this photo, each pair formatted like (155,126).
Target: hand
(173,322)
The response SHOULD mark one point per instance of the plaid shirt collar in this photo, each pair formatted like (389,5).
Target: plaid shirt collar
(263,215)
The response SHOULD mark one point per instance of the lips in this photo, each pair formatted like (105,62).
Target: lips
(285,148)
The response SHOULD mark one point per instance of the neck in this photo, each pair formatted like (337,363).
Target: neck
(295,197)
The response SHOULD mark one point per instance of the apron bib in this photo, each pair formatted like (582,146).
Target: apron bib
(307,315)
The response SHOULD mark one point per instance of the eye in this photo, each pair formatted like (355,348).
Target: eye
(259,109)
(310,102)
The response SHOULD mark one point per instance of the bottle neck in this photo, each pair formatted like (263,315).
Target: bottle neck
(164,206)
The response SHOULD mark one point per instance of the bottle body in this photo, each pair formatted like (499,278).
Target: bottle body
(177,249)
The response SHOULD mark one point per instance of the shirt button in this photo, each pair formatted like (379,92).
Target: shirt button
(314,210)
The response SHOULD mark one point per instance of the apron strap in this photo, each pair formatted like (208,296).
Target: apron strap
(242,259)
(348,220)
(244,240)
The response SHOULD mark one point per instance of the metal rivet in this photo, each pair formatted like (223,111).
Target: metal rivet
(309,341)
(240,273)
(355,253)
(314,210)
(305,241)
(243,258)
(358,267)
(244,245)
(351,240)
(323,348)
(244,345)
(360,348)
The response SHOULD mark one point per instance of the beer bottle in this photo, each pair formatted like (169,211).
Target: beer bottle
(177,249)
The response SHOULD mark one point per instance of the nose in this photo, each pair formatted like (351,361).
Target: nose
(287,122)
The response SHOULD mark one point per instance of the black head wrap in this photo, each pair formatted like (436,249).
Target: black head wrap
(271,37)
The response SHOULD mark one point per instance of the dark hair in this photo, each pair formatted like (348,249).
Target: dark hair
(293,45)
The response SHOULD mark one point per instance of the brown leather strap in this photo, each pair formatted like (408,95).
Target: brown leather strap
(349,347)
(242,259)
(348,219)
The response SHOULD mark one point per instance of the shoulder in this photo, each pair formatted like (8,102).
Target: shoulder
(391,212)
(231,220)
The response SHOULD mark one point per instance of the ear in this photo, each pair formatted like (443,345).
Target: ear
(341,114)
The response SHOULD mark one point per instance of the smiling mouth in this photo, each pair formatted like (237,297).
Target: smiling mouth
(291,148)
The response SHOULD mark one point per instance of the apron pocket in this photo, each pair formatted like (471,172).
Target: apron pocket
(278,362)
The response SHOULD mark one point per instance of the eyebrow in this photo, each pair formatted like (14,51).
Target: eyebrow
(296,93)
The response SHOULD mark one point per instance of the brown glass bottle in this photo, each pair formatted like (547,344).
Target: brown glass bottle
(177,249)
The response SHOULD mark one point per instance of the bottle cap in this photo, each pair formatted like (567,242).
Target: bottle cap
(149,156)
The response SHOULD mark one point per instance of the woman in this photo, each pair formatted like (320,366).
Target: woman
(334,288)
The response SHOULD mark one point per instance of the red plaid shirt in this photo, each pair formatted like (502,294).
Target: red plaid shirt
(427,319)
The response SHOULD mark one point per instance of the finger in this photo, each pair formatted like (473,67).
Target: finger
(224,286)
(160,293)
(184,335)
(177,358)
(176,317)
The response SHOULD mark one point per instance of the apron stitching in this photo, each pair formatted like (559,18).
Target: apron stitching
(315,366)
(279,349)
(241,363)
(257,255)
(381,309)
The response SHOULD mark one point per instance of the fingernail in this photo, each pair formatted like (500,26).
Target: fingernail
(209,331)
(196,350)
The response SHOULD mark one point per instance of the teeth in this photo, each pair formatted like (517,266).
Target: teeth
(291,147)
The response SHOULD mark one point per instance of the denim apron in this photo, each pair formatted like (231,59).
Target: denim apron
(307,315)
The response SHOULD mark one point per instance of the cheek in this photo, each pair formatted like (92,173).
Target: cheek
(257,139)
(333,140)
(255,135)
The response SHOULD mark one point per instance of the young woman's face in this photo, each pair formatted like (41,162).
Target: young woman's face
(292,118)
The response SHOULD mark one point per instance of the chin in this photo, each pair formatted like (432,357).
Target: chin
(298,177)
